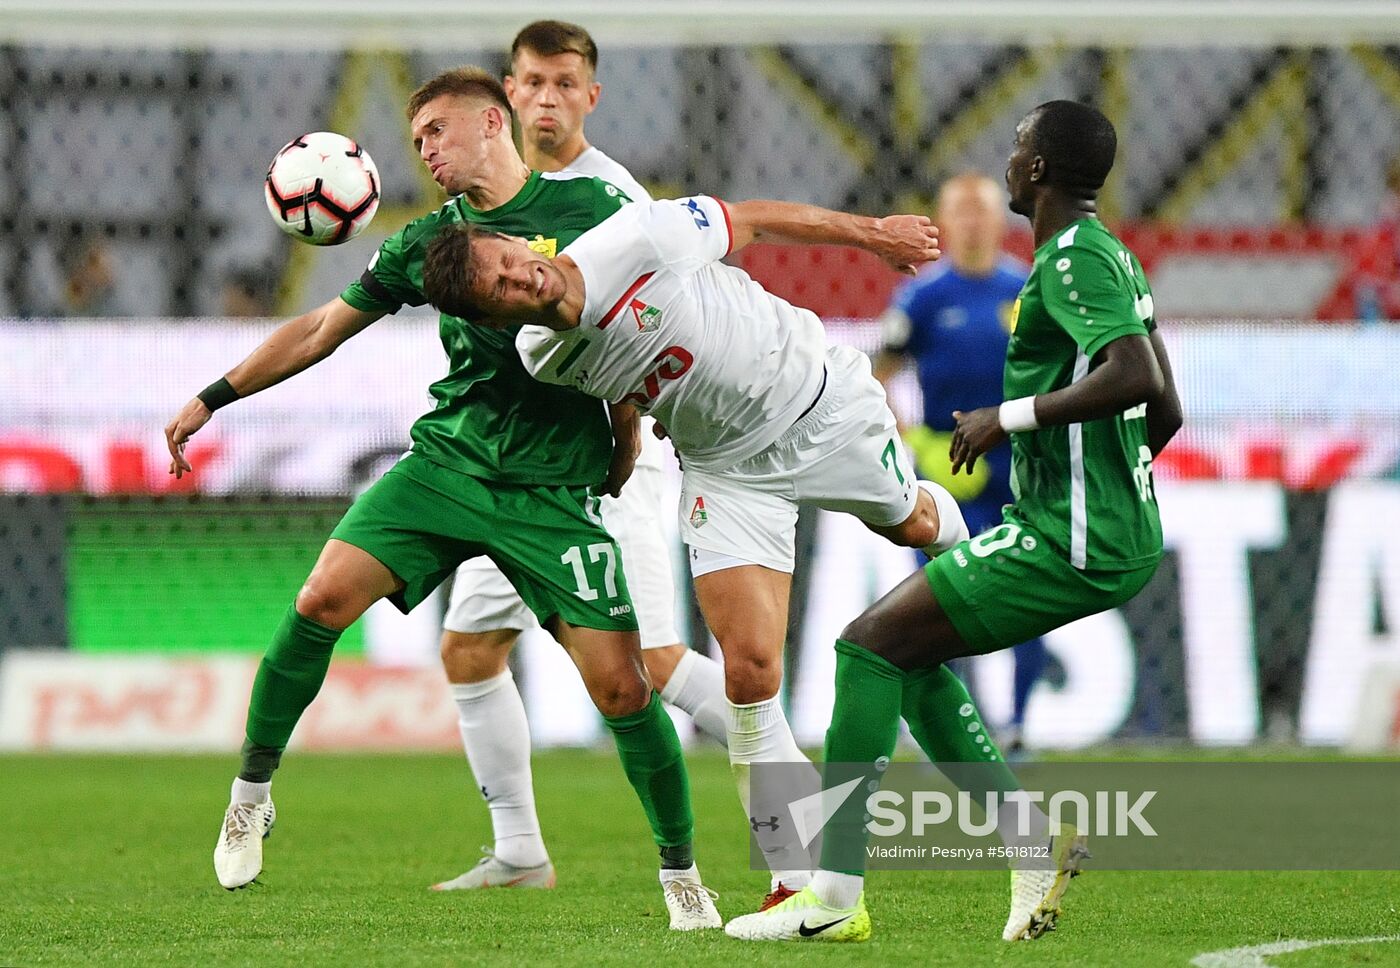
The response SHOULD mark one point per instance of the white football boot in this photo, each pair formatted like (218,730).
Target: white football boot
(1036,894)
(491,871)
(803,917)
(690,903)
(238,854)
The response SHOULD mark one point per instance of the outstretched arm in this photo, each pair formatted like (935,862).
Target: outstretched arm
(1125,374)
(295,345)
(903,242)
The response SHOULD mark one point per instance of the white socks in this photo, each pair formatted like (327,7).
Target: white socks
(691,873)
(496,736)
(759,733)
(837,890)
(245,791)
(696,687)
(951,526)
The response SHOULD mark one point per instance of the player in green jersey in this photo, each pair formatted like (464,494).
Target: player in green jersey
(501,467)
(1089,402)
(553,88)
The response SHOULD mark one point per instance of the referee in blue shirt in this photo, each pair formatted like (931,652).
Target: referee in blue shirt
(952,322)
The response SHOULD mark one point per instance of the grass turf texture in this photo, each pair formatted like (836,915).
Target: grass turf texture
(107,860)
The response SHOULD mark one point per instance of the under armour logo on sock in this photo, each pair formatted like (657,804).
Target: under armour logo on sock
(484,794)
(771,823)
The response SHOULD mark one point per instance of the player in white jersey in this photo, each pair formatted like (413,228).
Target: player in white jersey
(764,416)
(552,90)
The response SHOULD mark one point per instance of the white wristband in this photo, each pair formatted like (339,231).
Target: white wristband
(1017,416)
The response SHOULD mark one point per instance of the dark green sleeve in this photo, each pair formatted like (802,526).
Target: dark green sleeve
(609,200)
(386,284)
(1151,315)
(1091,300)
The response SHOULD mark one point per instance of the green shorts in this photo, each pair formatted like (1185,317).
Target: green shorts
(422,520)
(1008,585)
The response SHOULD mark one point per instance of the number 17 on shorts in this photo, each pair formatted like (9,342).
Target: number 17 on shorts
(602,552)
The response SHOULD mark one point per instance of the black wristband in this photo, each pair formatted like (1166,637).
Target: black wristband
(217,394)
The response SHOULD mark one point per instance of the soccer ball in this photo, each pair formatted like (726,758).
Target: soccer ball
(322,188)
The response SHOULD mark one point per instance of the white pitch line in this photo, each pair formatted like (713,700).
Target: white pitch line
(1253,956)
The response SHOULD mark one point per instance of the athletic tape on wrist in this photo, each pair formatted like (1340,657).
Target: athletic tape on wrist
(1017,416)
(217,394)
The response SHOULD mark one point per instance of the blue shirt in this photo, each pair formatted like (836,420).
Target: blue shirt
(956,327)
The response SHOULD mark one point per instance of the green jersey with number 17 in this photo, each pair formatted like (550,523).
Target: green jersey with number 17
(492,420)
(1087,486)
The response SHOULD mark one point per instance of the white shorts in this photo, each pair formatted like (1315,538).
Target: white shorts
(483,599)
(844,455)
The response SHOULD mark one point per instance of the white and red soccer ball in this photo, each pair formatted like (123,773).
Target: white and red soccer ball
(322,188)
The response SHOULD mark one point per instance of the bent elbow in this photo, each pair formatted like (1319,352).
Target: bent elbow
(1146,386)
(1164,419)
(1141,388)
(1159,382)
(1134,376)
(1175,421)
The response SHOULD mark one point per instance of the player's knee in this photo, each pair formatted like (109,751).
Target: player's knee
(856,631)
(322,602)
(752,675)
(661,664)
(622,695)
(475,656)
(920,529)
(867,631)
(885,633)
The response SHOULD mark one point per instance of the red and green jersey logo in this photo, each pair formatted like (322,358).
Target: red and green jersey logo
(647,317)
(698,514)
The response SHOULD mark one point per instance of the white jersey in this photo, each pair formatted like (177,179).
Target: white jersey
(483,599)
(723,364)
(594,162)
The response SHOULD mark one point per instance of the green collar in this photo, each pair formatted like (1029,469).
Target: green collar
(532,187)
(1051,243)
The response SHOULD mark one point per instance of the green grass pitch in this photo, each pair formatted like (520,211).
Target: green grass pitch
(106,860)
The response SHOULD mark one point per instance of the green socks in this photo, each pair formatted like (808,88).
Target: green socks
(865,720)
(864,729)
(948,728)
(289,676)
(944,719)
(871,695)
(651,757)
